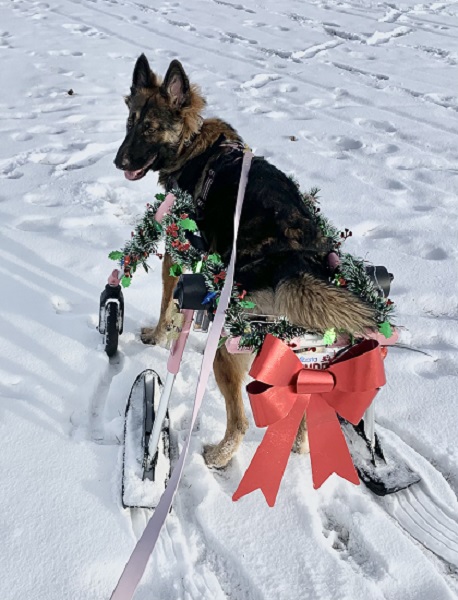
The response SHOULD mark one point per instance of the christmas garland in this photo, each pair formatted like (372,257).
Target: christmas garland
(177,228)
(148,233)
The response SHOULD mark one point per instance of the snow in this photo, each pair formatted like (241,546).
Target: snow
(357,98)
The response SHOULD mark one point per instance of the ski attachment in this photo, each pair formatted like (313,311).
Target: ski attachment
(145,469)
(382,471)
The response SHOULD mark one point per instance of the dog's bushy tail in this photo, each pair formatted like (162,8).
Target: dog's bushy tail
(314,304)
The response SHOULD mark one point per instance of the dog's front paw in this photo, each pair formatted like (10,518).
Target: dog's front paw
(217,456)
(153,335)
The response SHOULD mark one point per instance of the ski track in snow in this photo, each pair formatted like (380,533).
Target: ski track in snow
(355,98)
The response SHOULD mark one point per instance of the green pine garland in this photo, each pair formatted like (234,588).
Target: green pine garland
(148,233)
(251,328)
(144,242)
(357,281)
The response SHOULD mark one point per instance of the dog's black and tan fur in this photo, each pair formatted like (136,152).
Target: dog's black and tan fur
(280,255)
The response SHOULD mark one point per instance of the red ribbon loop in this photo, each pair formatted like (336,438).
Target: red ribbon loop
(284,390)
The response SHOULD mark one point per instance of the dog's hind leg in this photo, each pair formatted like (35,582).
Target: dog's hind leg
(230,370)
(156,335)
(301,443)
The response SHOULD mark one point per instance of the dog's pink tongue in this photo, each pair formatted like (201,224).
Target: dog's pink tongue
(132,174)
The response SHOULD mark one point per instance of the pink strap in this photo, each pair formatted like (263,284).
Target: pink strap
(135,567)
(115,277)
(165,207)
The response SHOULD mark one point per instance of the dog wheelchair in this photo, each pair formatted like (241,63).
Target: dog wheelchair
(146,454)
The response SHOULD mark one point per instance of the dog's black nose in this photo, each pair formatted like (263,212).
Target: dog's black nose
(121,162)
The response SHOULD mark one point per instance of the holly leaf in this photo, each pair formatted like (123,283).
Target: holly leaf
(126,281)
(188,224)
(329,336)
(160,197)
(246,304)
(222,341)
(214,258)
(385,329)
(175,270)
(116,255)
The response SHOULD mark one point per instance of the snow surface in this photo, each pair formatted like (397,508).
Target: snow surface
(368,92)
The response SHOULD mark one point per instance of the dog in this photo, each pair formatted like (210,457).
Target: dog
(281,256)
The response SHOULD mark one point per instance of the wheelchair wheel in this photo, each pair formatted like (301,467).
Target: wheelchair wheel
(111,328)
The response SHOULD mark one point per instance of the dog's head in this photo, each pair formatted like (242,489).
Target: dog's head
(163,118)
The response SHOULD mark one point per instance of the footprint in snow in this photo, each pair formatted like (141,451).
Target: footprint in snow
(434,254)
(435,369)
(345,537)
(42,199)
(21,136)
(84,29)
(393,185)
(38,225)
(60,305)
(347,143)
(382,233)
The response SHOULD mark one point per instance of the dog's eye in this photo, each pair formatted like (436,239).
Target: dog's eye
(149,129)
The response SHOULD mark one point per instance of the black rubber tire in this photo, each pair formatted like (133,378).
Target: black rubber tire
(111,328)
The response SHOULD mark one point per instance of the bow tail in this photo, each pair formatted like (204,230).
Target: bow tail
(271,457)
(328,449)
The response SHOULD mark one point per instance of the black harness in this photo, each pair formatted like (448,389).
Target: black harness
(186,179)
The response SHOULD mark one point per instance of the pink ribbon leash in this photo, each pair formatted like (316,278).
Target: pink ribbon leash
(136,565)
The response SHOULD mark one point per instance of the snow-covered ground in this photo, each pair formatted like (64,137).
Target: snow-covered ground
(368,90)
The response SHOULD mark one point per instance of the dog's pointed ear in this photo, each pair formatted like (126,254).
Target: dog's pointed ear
(143,77)
(176,85)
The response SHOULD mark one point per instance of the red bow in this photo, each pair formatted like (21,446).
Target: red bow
(284,390)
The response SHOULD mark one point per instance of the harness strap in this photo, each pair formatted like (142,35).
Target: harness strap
(135,567)
(226,158)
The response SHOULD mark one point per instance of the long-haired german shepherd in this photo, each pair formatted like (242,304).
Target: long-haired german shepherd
(281,257)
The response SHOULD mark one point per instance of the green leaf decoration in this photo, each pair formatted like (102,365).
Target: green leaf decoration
(175,270)
(160,197)
(222,341)
(385,329)
(116,255)
(157,226)
(329,336)
(214,258)
(126,281)
(188,224)
(246,304)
